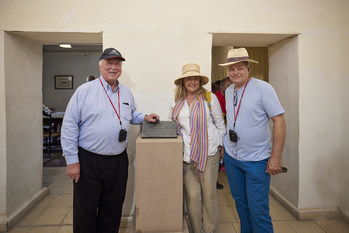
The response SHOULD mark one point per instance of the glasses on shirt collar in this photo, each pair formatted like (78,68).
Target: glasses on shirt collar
(235,98)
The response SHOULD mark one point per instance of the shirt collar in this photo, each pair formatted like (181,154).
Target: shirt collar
(108,87)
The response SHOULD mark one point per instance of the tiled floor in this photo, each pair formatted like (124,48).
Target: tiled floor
(54,213)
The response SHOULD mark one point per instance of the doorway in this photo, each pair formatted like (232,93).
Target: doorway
(278,64)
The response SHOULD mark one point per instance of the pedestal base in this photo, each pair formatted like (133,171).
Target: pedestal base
(159,185)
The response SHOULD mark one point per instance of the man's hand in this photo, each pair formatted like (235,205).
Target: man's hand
(152,118)
(274,166)
(279,135)
(73,171)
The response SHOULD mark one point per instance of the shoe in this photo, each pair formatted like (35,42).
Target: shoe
(220,186)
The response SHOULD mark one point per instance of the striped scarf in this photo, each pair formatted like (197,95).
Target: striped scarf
(198,131)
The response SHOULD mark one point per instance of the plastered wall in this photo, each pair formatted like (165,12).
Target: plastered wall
(3,167)
(80,65)
(342,164)
(284,76)
(23,158)
(158,37)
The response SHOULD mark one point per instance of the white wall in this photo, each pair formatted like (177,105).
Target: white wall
(284,77)
(342,163)
(319,108)
(80,65)
(23,85)
(158,37)
(3,167)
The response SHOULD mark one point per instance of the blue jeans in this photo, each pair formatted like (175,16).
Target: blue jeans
(249,186)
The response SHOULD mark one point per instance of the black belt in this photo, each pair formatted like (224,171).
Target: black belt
(99,155)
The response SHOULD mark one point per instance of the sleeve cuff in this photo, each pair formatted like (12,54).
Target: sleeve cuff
(71,159)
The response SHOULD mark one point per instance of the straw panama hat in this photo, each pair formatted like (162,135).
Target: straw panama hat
(236,56)
(191,69)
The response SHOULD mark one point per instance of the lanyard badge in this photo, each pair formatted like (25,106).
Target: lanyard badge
(232,134)
(123,132)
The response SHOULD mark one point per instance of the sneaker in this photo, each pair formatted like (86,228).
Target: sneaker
(220,186)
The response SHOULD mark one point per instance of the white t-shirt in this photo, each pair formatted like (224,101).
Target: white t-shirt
(259,103)
(215,126)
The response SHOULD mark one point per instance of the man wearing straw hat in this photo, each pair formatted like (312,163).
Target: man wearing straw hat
(249,156)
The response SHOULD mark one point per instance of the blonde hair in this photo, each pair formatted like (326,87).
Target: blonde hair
(181,92)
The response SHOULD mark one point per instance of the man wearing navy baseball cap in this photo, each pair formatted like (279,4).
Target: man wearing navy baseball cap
(111,53)
(94,137)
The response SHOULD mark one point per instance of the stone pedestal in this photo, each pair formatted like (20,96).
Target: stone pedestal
(159,185)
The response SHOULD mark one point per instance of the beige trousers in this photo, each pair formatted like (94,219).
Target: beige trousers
(201,196)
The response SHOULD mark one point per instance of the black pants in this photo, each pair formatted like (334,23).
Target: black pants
(100,192)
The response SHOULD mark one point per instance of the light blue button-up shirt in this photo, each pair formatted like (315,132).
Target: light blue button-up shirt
(90,121)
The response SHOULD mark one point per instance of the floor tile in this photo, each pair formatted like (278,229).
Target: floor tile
(278,212)
(65,199)
(333,225)
(57,188)
(125,230)
(31,216)
(19,230)
(68,219)
(47,200)
(305,227)
(279,227)
(69,189)
(283,227)
(52,216)
(227,214)
(225,228)
(43,230)
(62,179)
(225,199)
(65,229)
(236,226)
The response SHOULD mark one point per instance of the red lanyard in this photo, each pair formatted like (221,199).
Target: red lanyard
(235,92)
(117,114)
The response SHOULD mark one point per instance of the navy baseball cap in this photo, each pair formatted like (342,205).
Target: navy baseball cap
(111,53)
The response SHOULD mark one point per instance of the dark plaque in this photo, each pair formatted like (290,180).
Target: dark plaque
(162,129)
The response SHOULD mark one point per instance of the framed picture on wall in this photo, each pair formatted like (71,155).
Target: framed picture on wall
(63,81)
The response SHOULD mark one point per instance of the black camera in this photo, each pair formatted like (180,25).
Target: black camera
(122,135)
(233,136)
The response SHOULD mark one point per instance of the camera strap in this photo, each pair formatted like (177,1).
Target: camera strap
(117,114)
(235,95)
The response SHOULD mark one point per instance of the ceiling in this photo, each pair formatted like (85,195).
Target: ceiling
(80,42)
(247,39)
(94,41)
(51,38)
(86,48)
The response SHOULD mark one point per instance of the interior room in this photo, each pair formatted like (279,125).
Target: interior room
(303,49)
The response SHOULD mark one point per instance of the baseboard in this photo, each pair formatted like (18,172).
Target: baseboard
(306,213)
(345,216)
(288,205)
(126,221)
(26,208)
(3,224)
(320,213)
